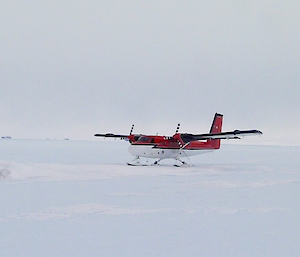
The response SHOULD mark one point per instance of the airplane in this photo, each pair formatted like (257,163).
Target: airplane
(179,145)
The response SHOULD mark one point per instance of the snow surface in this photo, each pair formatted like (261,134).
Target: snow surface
(75,198)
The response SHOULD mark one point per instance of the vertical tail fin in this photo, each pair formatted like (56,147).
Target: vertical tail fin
(216,127)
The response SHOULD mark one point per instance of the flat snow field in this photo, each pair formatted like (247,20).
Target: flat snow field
(75,198)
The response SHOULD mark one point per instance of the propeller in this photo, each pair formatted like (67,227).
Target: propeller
(177,129)
(131,129)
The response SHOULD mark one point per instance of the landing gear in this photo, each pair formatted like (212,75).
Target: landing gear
(135,161)
(156,162)
(183,163)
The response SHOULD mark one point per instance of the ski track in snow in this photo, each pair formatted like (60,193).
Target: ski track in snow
(86,211)
(241,202)
(13,171)
(27,173)
(54,172)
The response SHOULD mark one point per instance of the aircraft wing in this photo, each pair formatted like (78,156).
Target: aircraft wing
(236,134)
(111,135)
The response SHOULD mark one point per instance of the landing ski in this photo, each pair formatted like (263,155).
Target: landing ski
(136,164)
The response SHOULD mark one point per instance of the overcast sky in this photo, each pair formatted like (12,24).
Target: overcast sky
(75,68)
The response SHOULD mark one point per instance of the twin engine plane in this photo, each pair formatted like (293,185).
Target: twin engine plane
(180,145)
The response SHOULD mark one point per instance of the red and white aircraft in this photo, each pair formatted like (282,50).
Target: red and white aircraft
(180,144)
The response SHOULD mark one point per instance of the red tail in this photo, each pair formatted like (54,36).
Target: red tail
(216,127)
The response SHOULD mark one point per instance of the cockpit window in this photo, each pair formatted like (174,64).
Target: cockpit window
(187,138)
(144,139)
(136,138)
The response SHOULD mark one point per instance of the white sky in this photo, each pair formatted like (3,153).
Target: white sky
(75,68)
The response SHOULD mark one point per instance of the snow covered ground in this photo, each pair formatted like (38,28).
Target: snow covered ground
(75,198)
